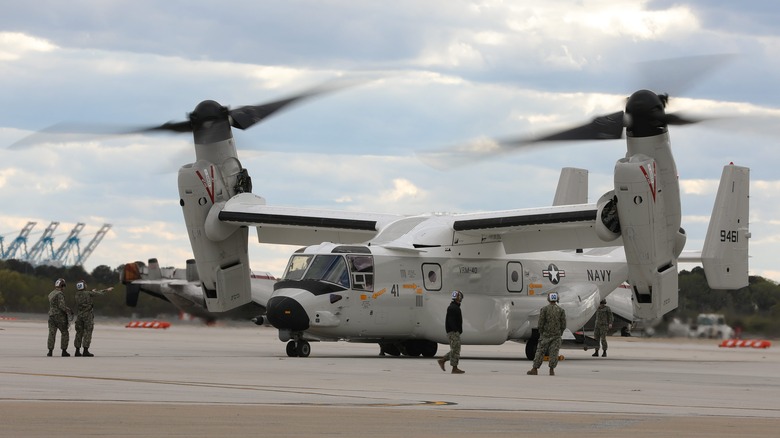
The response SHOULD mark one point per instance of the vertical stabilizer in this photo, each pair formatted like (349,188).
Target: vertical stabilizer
(725,252)
(154,271)
(572,187)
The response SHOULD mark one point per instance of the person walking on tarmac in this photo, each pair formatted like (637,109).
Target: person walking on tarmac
(604,320)
(85,318)
(59,313)
(453,324)
(552,323)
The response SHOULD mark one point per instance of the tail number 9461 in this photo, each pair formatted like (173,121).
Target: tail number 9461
(729,236)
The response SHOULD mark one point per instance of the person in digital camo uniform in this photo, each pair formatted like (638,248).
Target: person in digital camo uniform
(552,323)
(58,318)
(85,319)
(604,320)
(453,324)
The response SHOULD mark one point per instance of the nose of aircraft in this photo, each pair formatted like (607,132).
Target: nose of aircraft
(286,313)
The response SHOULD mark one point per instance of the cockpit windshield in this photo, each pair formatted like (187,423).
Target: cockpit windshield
(333,268)
(297,267)
(329,268)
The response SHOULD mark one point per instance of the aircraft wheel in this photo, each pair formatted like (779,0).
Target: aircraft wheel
(391,349)
(411,348)
(303,349)
(429,348)
(530,348)
(291,350)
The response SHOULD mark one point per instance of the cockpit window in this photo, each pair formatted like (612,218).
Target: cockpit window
(297,266)
(333,268)
(362,268)
(330,268)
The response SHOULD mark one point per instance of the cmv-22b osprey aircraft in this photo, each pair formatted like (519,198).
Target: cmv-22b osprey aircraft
(386,279)
(181,287)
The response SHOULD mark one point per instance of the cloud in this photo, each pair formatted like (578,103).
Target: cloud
(14,45)
(450,72)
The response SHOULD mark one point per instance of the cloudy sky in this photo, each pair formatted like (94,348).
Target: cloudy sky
(447,72)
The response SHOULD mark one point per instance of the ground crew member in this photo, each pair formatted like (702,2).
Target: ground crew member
(552,323)
(85,319)
(59,313)
(604,321)
(453,324)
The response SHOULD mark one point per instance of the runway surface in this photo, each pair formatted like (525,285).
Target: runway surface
(193,380)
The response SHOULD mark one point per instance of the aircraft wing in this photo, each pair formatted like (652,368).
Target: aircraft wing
(533,230)
(301,226)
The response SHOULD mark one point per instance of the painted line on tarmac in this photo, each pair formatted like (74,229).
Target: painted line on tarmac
(243,387)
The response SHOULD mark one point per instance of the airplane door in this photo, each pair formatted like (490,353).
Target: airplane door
(514,277)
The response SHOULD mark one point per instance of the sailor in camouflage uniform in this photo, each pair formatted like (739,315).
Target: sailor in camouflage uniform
(552,323)
(85,320)
(604,320)
(58,318)
(453,324)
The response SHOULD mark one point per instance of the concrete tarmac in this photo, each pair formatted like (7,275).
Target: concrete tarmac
(192,380)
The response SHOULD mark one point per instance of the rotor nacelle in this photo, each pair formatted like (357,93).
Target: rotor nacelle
(220,249)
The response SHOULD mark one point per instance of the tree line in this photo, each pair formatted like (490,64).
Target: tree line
(25,288)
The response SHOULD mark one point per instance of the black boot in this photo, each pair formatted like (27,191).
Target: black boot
(65,353)
(604,354)
(50,353)
(78,352)
(87,353)
(596,354)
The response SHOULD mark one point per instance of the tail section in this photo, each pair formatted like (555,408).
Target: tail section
(572,187)
(725,252)
(131,272)
(154,272)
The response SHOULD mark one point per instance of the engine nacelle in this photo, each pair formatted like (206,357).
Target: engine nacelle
(607,220)
(652,264)
(220,250)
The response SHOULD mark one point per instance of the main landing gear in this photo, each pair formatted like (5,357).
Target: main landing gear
(531,345)
(298,349)
(412,348)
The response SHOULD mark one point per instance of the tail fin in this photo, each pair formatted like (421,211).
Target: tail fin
(155,273)
(192,271)
(132,291)
(572,187)
(129,273)
(725,252)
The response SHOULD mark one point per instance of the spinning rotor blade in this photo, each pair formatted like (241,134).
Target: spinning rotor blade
(677,76)
(206,113)
(644,114)
(608,127)
(679,119)
(246,116)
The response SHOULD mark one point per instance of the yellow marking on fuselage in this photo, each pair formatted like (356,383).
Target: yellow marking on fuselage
(378,293)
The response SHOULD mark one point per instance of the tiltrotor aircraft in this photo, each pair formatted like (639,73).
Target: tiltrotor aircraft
(387,279)
(181,287)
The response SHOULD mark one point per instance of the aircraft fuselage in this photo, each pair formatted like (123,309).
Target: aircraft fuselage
(396,295)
